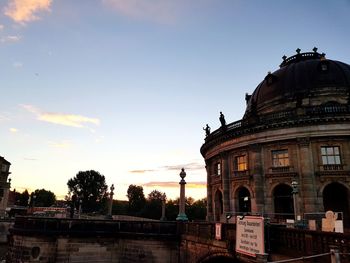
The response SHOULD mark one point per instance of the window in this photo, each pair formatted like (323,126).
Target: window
(280,158)
(4,168)
(240,163)
(330,155)
(217,169)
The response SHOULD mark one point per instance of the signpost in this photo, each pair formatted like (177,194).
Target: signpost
(250,235)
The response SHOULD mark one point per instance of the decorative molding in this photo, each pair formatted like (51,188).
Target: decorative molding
(281,175)
(303,141)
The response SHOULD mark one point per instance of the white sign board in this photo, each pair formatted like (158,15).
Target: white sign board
(250,235)
(218,231)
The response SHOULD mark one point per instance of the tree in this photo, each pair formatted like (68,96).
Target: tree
(172,209)
(42,198)
(22,198)
(136,198)
(197,210)
(91,188)
(153,208)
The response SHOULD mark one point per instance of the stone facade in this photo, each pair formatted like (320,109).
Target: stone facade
(296,129)
(97,249)
(4,185)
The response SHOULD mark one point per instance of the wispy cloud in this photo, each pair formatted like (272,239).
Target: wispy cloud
(188,166)
(162,11)
(17,64)
(24,11)
(62,144)
(175,184)
(10,39)
(72,120)
(13,130)
(4,118)
(29,159)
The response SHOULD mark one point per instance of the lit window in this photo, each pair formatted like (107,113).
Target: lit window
(280,158)
(330,155)
(241,163)
(218,169)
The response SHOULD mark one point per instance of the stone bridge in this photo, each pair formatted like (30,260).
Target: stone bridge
(36,239)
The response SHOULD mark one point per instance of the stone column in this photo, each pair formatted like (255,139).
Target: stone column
(182,215)
(210,217)
(225,182)
(111,201)
(307,184)
(255,163)
(163,218)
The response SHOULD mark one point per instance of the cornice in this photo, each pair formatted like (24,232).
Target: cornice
(243,127)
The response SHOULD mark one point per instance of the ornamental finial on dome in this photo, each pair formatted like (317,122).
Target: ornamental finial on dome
(315,49)
(298,50)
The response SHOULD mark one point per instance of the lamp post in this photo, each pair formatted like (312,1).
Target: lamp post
(182,215)
(295,192)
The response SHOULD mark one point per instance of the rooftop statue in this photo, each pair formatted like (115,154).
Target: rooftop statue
(222,119)
(207,130)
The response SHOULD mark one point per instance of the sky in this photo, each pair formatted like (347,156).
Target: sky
(125,87)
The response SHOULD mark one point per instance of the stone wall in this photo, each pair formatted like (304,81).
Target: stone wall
(4,231)
(194,249)
(74,250)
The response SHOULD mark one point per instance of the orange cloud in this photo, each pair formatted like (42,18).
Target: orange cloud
(23,11)
(141,171)
(163,11)
(72,120)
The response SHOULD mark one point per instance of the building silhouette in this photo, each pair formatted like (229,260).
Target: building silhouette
(293,142)
(4,184)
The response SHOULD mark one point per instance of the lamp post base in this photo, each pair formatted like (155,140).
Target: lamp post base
(181,217)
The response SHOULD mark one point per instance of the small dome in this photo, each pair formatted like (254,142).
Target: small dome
(300,79)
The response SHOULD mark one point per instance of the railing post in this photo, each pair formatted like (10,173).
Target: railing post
(335,255)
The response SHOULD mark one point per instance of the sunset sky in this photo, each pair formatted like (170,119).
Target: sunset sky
(124,87)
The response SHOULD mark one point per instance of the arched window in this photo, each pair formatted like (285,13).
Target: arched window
(336,198)
(244,204)
(283,201)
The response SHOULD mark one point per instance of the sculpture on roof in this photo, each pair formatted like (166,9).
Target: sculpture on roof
(222,119)
(207,130)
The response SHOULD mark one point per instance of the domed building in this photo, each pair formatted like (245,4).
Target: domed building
(290,153)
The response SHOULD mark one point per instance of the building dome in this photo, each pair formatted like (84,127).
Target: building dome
(299,81)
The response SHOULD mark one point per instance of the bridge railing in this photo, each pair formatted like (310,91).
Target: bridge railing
(307,242)
(86,227)
(279,239)
(207,230)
